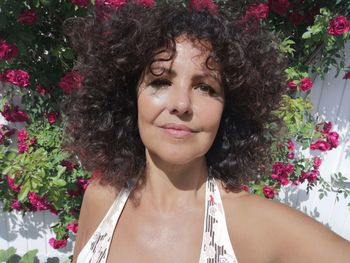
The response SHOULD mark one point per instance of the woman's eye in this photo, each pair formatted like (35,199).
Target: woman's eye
(206,89)
(160,83)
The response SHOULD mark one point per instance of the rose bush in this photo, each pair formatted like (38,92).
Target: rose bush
(36,64)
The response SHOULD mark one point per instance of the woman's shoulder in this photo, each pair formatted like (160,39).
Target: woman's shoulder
(279,233)
(97,200)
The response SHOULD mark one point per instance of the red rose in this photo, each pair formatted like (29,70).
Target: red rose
(69,165)
(70,82)
(16,205)
(268,192)
(280,7)
(320,145)
(17,77)
(28,17)
(203,4)
(114,4)
(327,126)
(338,26)
(347,75)
(296,19)
(333,139)
(257,11)
(317,162)
(292,85)
(57,244)
(306,84)
(73,227)
(7,50)
(245,188)
(40,89)
(291,145)
(13,114)
(52,116)
(80,2)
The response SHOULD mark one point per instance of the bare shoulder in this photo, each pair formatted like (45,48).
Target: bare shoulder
(279,233)
(97,200)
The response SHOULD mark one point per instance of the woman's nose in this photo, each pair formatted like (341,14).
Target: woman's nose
(180,102)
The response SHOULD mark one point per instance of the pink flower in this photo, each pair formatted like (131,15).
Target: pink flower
(291,145)
(200,5)
(113,4)
(51,116)
(13,114)
(73,227)
(268,192)
(296,19)
(317,162)
(11,184)
(17,77)
(28,17)
(83,183)
(69,165)
(22,147)
(292,85)
(57,244)
(40,89)
(309,176)
(70,82)
(338,26)
(147,3)
(16,205)
(333,139)
(347,75)
(245,188)
(38,203)
(320,145)
(7,50)
(22,135)
(306,84)
(281,172)
(280,7)
(290,155)
(257,11)
(327,126)
(80,2)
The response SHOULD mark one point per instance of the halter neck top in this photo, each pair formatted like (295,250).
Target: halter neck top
(216,245)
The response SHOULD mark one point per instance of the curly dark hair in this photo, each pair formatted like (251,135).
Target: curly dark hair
(112,55)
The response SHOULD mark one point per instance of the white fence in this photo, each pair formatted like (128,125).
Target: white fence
(331,98)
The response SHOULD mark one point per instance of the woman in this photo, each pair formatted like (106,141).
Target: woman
(173,111)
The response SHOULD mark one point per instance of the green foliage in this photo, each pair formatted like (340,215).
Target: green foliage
(7,255)
(45,53)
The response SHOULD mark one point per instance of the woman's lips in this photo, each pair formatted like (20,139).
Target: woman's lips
(177,130)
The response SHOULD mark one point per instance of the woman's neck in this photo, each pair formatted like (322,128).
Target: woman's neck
(174,186)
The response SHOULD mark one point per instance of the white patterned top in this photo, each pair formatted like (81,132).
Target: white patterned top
(216,244)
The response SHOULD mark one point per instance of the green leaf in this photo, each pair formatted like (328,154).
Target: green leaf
(26,36)
(5,255)
(306,35)
(29,256)
(3,21)
(59,182)
(24,192)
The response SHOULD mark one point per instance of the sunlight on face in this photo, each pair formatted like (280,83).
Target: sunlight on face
(180,103)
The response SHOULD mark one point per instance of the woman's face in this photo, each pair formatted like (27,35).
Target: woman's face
(179,111)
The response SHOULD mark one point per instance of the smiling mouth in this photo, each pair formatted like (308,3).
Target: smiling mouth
(178,130)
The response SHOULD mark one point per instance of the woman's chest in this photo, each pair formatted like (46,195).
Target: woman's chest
(146,237)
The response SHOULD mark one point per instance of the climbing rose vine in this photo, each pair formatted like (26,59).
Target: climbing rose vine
(36,65)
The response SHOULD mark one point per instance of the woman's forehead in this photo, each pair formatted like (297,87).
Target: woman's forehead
(165,56)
